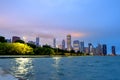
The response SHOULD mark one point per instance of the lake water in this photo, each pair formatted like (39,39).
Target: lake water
(65,68)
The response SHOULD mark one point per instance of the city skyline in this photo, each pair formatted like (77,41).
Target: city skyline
(90,21)
(69,44)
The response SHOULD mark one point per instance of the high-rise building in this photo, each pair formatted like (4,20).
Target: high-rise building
(94,51)
(69,42)
(15,38)
(113,50)
(99,49)
(63,44)
(104,49)
(86,50)
(76,45)
(54,43)
(82,47)
(37,41)
(90,48)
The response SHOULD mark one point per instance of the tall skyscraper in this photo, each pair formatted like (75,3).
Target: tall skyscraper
(104,49)
(69,42)
(37,41)
(113,50)
(90,48)
(86,49)
(63,44)
(15,38)
(82,47)
(76,45)
(54,43)
(99,49)
(94,51)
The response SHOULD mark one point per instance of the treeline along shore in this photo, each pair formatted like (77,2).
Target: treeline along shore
(19,47)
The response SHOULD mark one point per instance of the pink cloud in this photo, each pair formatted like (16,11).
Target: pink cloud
(33,27)
(78,34)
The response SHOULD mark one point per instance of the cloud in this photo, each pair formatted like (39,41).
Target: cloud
(21,27)
(33,27)
(78,34)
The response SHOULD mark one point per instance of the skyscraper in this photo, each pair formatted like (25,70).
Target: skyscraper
(86,50)
(37,41)
(76,45)
(54,43)
(15,38)
(82,47)
(99,49)
(63,44)
(69,42)
(90,48)
(113,50)
(104,49)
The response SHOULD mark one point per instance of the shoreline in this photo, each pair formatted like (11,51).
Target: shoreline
(31,56)
(25,56)
(38,56)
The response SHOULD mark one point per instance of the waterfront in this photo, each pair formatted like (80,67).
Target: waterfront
(61,68)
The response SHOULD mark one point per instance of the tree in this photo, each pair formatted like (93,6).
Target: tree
(20,41)
(3,48)
(15,49)
(72,51)
(32,45)
(44,51)
(2,39)
(46,46)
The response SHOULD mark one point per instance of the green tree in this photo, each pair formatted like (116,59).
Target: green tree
(32,45)
(2,39)
(3,48)
(46,46)
(15,49)
(72,51)
(44,51)
(19,41)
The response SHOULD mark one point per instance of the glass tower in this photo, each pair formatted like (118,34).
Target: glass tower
(68,42)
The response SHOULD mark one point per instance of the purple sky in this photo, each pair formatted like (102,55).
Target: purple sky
(95,21)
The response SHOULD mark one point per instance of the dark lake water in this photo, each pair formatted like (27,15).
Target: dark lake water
(64,68)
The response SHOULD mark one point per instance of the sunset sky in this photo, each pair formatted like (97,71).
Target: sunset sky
(91,21)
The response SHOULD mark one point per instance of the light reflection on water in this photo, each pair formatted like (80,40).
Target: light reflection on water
(56,65)
(56,62)
(22,68)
